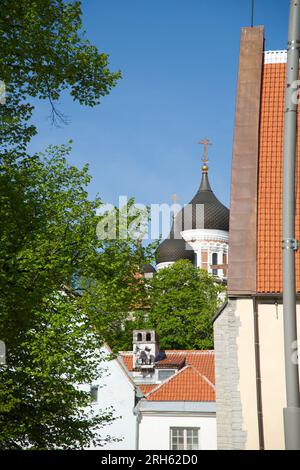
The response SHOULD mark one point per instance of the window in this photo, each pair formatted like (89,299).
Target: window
(148,337)
(165,374)
(139,337)
(184,438)
(94,393)
(215,263)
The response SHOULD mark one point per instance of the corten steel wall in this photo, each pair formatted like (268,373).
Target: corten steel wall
(243,207)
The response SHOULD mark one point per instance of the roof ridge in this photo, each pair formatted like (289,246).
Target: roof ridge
(189,351)
(205,378)
(176,351)
(167,381)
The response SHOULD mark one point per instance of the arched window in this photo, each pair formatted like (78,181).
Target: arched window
(215,263)
(139,337)
(148,337)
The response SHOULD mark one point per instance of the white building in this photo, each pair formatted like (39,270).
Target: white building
(164,399)
(178,414)
(116,389)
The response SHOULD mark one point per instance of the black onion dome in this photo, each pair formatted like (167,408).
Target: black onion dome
(173,249)
(215,215)
(148,269)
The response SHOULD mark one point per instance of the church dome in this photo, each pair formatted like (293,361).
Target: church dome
(172,249)
(148,269)
(215,215)
(205,211)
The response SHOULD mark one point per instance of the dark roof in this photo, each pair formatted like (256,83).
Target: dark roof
(214,217)
(148,269)
(173,249)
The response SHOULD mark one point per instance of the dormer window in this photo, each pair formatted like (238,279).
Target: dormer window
(165,374)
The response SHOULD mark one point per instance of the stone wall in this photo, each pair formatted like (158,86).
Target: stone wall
(230,433)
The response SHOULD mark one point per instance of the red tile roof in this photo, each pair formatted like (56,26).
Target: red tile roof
(127,359)
(186,385)
(203,361)
(147,388)
(269,256)
(194,380)
(171,360)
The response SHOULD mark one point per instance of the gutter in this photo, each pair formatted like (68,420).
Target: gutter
(260,420)
(137,413)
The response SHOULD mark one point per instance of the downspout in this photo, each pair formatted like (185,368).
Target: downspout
(137,430)
(289,243)
(137,413)
(260,420)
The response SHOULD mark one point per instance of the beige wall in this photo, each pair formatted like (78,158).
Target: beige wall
(246,364)
(272,371)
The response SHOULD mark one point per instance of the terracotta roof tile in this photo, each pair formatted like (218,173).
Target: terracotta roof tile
(145,388)
(203,361)
(171,360)
(186,385)
(269,257)
(127,359)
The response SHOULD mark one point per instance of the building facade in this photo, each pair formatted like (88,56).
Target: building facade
(161,399)
(249,338)
(116,392)
(177,408)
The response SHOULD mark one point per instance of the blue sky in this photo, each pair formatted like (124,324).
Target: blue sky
(178,60)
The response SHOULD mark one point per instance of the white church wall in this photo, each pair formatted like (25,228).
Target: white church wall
(205,235)
(164,265)
(208,242)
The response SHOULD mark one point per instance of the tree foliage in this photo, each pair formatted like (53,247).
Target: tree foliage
(44,52)
(183,300)
(180,303)
(48,245)
(48,235)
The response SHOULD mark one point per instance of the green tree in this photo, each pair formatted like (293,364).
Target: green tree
(44,52)
(179,303)
(48,243)
(48,235)
(183,300)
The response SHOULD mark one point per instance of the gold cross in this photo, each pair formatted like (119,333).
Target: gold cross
(205,143)
(174,198)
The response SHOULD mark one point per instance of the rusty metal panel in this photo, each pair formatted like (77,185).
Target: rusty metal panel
(243,207)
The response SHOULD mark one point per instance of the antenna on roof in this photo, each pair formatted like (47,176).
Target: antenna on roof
(252,13)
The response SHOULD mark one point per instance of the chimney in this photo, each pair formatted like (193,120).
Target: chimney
(145,349)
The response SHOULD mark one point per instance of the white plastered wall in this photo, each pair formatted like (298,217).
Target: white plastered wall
(154,432)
